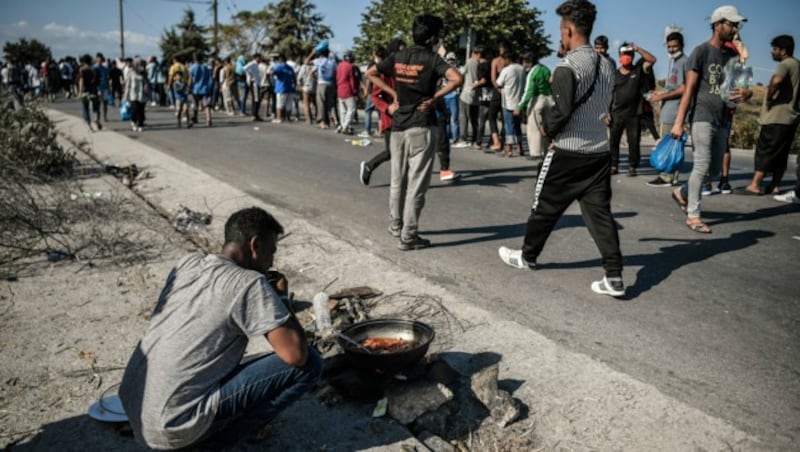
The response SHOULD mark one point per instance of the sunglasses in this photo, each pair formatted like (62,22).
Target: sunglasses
(732,24)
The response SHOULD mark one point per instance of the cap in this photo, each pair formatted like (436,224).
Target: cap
(727,12)
(450,56)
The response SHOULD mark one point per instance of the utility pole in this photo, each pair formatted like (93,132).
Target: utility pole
(121,34)
(216,28)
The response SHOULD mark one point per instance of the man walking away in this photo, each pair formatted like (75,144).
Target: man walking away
(416,70)
(578,165)
(325,70)
(629,84)
(511,80)
(284,88)
(670,97)
(779,117)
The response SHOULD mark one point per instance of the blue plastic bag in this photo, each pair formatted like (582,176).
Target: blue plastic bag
(667,157)
(125,112)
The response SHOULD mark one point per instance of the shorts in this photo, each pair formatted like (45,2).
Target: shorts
(281,100)
(202,100)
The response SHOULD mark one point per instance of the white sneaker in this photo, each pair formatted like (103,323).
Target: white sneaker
(609,286)
(513,258)
(460,145)
(789,197)
(364,134)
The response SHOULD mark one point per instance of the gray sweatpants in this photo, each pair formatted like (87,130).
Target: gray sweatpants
(412,161)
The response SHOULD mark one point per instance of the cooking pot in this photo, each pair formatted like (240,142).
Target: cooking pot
(389,362)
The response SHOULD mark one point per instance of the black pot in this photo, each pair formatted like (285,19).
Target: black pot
(392,362)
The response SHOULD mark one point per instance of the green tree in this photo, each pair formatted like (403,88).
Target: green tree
(24,51)
(246,34)
(186,40)
(491,20)
(295,28)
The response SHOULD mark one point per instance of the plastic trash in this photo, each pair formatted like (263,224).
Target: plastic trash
(360,143)
(322,315)
(57,255)
(668,155)
(189,220)
(125,112)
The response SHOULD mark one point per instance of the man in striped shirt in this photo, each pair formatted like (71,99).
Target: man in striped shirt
(578,165)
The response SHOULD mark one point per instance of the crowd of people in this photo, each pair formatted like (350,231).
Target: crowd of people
(574,116)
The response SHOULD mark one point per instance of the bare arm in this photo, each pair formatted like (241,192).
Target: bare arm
(649,58)
(454,80)
(676,93)
(310,56)
(691,85)
(375,79)
(289,345)
(772,90)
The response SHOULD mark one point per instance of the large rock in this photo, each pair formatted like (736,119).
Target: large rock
(503,408)
(409,401)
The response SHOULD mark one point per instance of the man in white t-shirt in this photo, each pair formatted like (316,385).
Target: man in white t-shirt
(184,384)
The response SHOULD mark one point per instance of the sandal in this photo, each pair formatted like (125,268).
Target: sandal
(680,202)
(699,227)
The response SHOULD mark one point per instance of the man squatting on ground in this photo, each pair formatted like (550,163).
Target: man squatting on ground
(185,384)
(417,70)
(578,166)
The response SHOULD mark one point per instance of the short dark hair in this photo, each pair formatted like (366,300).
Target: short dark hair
(379,51)
(675,36)
(601,40)
(510,55)
(424,27)
(784,42)
(247,223)
(581,13)
(100,55)
(531,57)
(86,59)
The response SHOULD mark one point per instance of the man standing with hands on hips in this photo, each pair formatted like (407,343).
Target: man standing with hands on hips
(417,70)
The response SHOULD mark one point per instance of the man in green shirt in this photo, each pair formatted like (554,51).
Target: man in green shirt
(537,97)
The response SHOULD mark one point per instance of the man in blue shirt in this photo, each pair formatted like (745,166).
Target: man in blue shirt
(284,87)
(105,89)
(202,83)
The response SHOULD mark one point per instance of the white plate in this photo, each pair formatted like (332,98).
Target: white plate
(108,409)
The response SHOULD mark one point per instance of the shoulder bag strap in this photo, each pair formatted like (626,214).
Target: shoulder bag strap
(590,91)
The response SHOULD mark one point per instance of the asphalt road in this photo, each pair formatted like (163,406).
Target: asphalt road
(713,320)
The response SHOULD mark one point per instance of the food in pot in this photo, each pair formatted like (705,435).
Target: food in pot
(387,345)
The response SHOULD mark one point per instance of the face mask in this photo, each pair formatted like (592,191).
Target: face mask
(676,54)
(625,60)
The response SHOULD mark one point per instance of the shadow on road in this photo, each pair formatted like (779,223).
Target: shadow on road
(658,266)
(734,217)
(517,230)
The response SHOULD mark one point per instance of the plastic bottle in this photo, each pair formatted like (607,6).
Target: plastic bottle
(321,312)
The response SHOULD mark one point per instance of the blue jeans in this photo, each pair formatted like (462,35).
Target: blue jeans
(254,393)
(368,109)
(452,106)
(95,102)
(244,91)
(513,126)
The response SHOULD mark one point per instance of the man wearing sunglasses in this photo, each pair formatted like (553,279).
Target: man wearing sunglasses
(706,111)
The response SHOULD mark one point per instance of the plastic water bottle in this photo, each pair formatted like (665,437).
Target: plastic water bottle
(321,312)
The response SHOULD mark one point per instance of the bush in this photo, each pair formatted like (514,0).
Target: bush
(28,142)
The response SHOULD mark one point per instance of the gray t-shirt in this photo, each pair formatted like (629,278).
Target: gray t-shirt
(676,76)
(468,95)
(207,309)
(709,63)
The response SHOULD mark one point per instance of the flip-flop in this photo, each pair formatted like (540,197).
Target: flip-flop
(700,227)
(681,204)
(747,192)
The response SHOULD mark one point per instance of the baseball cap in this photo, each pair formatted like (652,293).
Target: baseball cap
(727,12)
(450,56)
